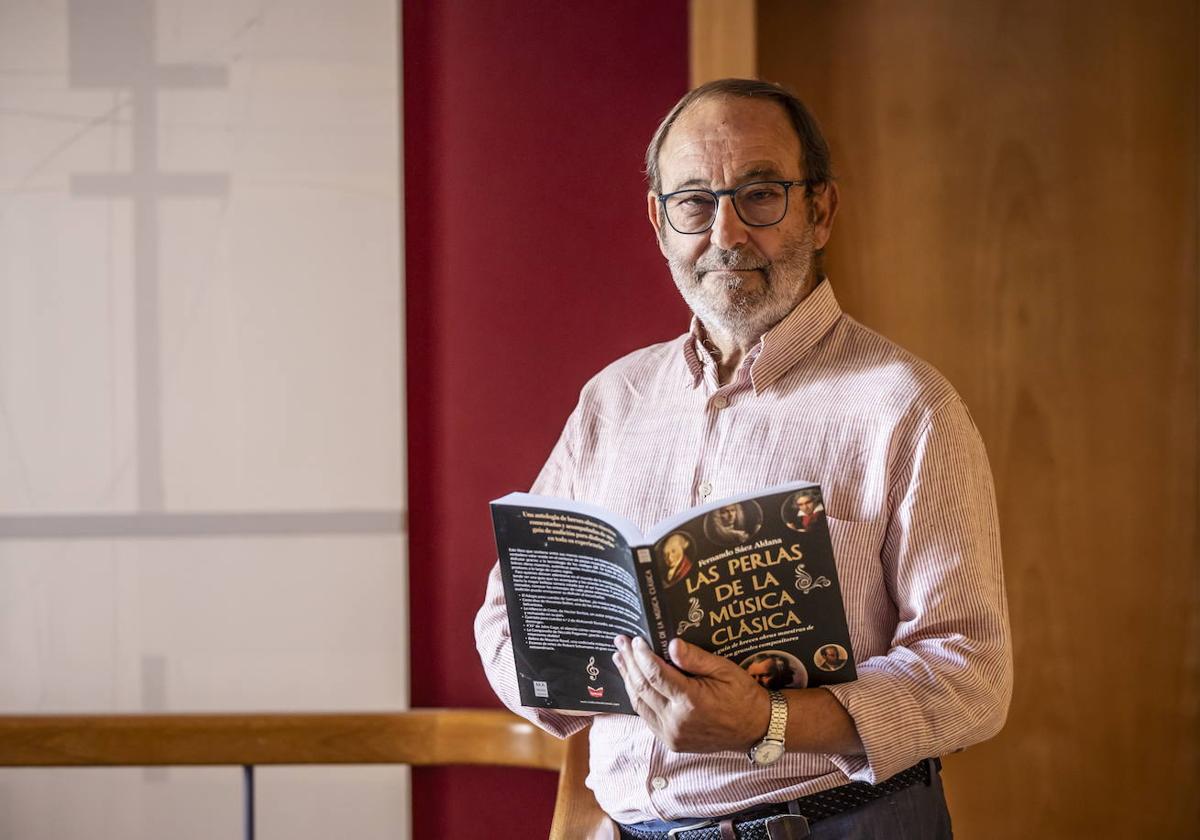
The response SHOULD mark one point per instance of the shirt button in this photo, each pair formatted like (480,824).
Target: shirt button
(705,489)
(720,402)
(658,783)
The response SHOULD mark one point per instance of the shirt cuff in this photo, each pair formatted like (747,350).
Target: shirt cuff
(891,725)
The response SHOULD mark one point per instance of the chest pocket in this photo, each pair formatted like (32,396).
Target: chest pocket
(861,575)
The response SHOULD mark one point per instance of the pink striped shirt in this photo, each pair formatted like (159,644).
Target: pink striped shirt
(911,510)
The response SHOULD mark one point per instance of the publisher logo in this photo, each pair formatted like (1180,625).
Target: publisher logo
(592,673)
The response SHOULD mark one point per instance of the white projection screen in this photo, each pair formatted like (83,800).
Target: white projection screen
(202,457)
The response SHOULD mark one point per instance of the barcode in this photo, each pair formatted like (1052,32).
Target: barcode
(540,689)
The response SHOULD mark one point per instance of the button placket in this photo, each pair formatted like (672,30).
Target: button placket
(722,422)
(716,425)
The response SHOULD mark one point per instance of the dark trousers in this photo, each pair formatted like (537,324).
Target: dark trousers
(916,813)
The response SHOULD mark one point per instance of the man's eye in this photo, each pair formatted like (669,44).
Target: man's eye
(763,195)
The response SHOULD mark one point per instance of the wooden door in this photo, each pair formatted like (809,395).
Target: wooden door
(1019,207)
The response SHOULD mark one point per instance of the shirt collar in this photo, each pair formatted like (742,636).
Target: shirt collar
(695,355)
(781,347)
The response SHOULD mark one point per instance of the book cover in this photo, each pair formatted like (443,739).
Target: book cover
(751,578)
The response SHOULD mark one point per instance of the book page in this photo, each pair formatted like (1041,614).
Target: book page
(570,587)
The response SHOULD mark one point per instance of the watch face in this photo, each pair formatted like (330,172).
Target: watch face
(767,752)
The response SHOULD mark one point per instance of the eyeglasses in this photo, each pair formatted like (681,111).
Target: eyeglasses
(758,204)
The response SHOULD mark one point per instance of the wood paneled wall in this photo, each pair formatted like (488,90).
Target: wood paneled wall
(721,35)
(1019,206)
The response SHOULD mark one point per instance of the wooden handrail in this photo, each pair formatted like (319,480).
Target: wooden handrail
(417,737)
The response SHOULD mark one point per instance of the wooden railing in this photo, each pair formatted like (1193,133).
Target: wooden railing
(418,737)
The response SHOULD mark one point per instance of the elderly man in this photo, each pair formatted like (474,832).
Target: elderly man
(774,383)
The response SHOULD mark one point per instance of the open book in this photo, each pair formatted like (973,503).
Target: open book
(751,578)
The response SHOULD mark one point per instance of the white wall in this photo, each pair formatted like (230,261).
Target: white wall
(201,394)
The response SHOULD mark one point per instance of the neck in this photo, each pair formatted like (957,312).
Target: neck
(727,349)
(730,347)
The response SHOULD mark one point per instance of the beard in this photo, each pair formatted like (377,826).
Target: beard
(746,307)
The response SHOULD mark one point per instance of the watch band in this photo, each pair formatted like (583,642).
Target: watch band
(771,747)
(777,728)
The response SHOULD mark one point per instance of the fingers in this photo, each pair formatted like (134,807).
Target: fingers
(703,712)
(650,712)
(646,676)
(649,703)
(661,676)
(637,679)
(697,661)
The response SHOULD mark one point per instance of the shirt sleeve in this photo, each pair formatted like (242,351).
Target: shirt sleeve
(493,639)
(946,681)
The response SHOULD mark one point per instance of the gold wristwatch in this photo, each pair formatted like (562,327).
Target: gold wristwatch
(770,748)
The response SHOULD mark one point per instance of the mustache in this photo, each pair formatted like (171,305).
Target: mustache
(731,261)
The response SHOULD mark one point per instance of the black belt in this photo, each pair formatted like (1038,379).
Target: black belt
(791,820)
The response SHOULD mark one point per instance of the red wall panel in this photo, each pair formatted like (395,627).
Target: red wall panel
(529,266)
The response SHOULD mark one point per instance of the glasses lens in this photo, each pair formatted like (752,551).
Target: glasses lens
(761,204)
(690,211)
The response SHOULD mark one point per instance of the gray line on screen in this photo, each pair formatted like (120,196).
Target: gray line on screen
(116,526)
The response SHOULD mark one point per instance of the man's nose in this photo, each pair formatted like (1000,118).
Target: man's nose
(728,230)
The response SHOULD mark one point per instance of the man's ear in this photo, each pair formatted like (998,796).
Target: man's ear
(652,212)
(822,208)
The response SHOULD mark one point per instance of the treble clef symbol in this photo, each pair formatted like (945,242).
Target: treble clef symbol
(592,670)
(695,614)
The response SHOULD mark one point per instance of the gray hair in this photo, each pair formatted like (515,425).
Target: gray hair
(813,148)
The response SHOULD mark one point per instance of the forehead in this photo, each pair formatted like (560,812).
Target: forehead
(720,141)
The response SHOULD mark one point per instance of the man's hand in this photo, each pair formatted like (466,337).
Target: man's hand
(718,707)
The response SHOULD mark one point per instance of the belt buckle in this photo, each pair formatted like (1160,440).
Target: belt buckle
(676,832)
(787,827)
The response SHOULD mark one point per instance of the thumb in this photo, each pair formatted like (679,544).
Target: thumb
(697,661)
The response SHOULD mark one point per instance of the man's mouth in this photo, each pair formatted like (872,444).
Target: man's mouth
(726,270)
(733,278)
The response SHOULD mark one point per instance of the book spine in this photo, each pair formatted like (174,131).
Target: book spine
(651,586)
